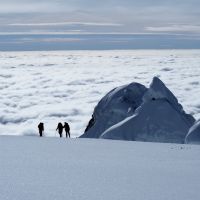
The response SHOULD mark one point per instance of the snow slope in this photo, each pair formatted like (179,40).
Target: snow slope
(66,85)
(87,169)
(155,121)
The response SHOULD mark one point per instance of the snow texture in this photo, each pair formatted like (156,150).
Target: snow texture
(193,136)
(87,169)
(156,116)
(50,87)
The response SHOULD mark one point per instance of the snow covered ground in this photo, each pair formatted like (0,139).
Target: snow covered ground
(56,169)
(66,85)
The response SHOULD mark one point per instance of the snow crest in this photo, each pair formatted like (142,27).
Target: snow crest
(193,136)
(152,115)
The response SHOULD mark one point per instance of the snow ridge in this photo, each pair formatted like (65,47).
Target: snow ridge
(153,115)
(117,105)
(193,136)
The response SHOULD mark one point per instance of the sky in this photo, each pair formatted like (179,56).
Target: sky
(155,17)
(129,16)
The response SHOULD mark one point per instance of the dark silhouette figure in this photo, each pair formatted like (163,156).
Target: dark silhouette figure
(60,129)
(41,128)
(67,129)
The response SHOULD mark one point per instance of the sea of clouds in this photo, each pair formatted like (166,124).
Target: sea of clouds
(63,86)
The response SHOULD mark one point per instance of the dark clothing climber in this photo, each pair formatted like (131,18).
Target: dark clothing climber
(41,128)
(67,129)
(60,129)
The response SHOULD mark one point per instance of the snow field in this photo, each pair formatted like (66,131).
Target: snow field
(52,168)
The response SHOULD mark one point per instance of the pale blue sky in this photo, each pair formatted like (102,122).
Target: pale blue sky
(166,24)
(128,16)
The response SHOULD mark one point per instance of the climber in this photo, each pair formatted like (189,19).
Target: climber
(60,128)
(41,128)
(67,129)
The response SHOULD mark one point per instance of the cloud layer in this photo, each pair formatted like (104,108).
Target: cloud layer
(66,86)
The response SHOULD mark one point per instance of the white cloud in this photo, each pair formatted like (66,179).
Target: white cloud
(66,23)
(175,28)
